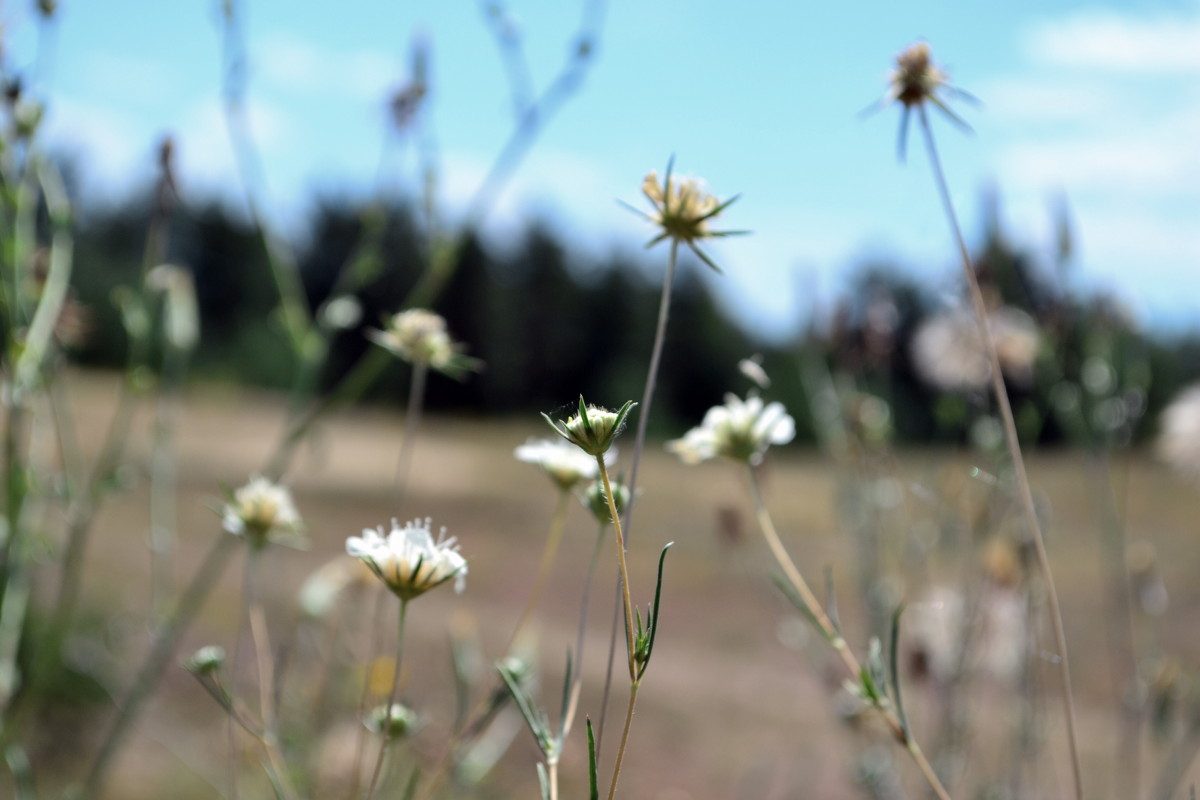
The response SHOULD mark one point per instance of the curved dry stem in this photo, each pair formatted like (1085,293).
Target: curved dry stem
(817,612)
(1014,450)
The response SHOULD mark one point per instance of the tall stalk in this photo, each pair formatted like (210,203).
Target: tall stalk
(634,680)
(830,632)
(387,709)
(639,445)
(1014,449)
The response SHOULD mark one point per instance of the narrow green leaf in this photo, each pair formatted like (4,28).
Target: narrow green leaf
(622,413)
(587,424)
(700,254)
(566,695)
(410,789)
(790,593)
(831,607)
(593,789)
(662,557)
(532,718)
(894,667)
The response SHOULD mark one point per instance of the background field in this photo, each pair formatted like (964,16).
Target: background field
(730,710)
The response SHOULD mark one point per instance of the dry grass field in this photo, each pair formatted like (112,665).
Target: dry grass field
(729,710)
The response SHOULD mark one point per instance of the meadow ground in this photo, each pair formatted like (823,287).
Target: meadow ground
(729,709)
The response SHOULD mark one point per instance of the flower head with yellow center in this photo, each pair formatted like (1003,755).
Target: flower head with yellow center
(409,560)
(564,463)
(683,209)
(740,430)
(419,336)
(261,512)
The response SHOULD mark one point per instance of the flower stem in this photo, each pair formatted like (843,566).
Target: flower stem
(412,421)
(386,733)
(1014,449)
(549,550)
(660,336)
(639,444)
(902,735)
(633,693)
(616,518)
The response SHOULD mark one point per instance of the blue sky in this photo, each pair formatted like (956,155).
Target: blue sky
(1099,102)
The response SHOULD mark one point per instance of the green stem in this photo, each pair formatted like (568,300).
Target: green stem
(616,519)
(1014,449)
(549,551)
(633,693)
(385,735)
(152,668)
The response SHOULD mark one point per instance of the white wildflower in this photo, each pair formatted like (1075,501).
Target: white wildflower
(419,336)
(262,511)
(1179,436)
(565,463)
(741,430)
(408,560)
(949,353)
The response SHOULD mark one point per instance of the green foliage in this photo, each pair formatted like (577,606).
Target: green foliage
(549,324)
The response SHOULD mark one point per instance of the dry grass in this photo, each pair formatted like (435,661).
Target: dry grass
(727,711)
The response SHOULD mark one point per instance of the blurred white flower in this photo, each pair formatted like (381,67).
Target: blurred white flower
(995,639)
(408,560)
(262,511)
(741,430)
(948,351)
(1179,435)
(752,368)
(419,336)
(565,463)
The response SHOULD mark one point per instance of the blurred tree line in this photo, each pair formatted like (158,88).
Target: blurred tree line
(550,327)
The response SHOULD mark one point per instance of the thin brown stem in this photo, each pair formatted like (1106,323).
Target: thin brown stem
(899,731)
(1014,449)
(549,551)
(660,336)
(633,693)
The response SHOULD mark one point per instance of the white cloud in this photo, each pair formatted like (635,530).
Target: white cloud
(111,148)
(205,153)
(1040,100)
(1120,42)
